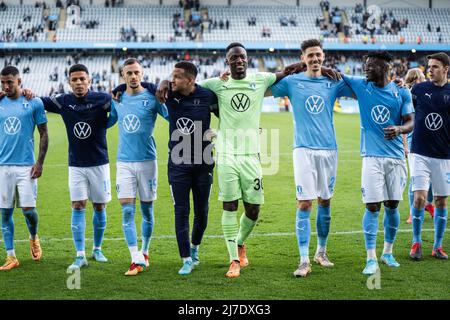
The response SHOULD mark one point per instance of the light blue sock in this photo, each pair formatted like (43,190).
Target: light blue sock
(417,221)
(147,224)
(303,230)
(440,221)
(430,195)
(32,220)
(370,228)
(391,222)
(99,223)
(323,224)
(78,228)
(8,228)
(129,225)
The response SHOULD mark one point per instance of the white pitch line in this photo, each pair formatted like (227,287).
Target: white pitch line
(213,236)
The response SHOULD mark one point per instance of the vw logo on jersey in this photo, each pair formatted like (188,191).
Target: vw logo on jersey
(131,123)
(82,130)
(380,114)
(434,121)
(12,125)
(185,125)
(240,102)
(315,104)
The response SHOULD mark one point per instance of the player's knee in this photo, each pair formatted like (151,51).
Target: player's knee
(440,202)
(324,202)
(419,200)
(304,205)
(391,204)
(230,206)
(373,207)
(99,206)
(79,205)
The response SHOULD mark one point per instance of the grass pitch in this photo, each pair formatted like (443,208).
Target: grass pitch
(272,250)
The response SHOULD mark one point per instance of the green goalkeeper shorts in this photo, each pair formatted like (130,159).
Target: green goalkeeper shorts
(240,177)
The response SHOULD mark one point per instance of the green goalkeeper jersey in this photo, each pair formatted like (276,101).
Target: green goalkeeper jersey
(240,103)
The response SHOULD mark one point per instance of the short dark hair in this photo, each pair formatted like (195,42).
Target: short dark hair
(310,43)
(440,56)
(188,68)
(77,68)
(10,71)
(234,44)
(130,61)
(382,55)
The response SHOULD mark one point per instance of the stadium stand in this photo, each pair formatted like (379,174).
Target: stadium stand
(97,23)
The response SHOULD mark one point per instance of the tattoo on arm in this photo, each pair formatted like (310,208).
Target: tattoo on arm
(43,143)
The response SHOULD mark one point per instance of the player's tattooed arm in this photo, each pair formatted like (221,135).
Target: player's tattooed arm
(162,93)
(36,170)
(393,131)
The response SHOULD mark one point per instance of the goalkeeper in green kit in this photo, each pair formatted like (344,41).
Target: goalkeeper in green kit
(239,169)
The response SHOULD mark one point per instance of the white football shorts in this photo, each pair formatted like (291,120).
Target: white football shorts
(137,177)
(93,183)
(425,170)
(17,187)
(383,179)
(314,173)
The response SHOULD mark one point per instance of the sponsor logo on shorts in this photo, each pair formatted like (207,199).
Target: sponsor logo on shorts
(240,102)
(363,191)
(131,123)
(380,114)
(12,125)
(185,125)
(299,189)
(433,121)
(82,130)
(315,104)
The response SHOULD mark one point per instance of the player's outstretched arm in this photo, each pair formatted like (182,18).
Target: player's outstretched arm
(36,170)
(162,93)
(112,117)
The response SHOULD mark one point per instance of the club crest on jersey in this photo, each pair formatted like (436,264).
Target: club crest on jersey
(12,125)
(433,121)
(82,130)
(145,102)
(315,104)
(240,102)
(131,123)
(185,125)
(380,114)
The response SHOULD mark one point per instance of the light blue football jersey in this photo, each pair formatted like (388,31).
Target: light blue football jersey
(312,102)
(380,108)
(136,115)
(18,118)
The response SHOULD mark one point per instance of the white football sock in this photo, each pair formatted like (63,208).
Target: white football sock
(387,248)
(371,254)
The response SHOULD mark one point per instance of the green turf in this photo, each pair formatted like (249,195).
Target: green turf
(273,258)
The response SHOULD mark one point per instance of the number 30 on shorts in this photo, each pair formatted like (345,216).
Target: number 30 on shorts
(258,184)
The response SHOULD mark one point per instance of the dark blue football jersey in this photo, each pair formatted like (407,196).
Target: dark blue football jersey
(431,136)
(86,122)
